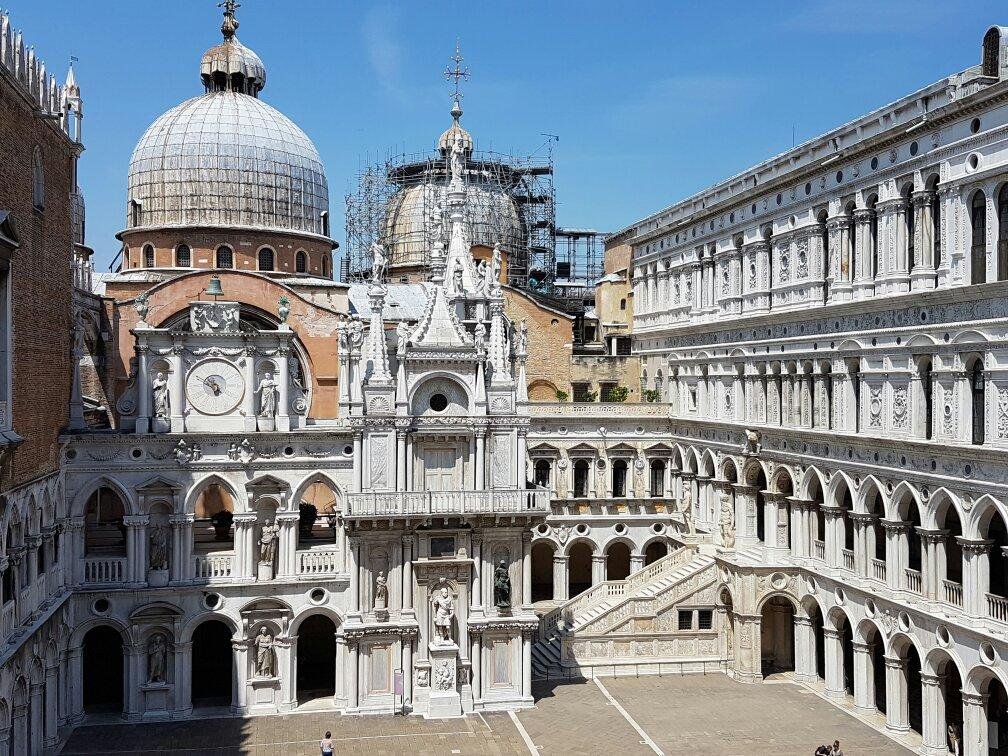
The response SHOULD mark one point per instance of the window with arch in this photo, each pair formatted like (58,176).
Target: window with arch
(183,256)
(325,222)
(225,257)
(978,246)
(266,261)
(104,531)
(38,180)
(541,474)
(1002,244)
(301,262)
(978,408)
(991,51)
(148,255)
(134,213)
(325,264)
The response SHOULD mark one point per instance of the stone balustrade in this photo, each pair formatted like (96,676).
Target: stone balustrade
(914,581)
(878,570)
(326,562)
(105,569)
(426,503)
(953,593)
(213,566)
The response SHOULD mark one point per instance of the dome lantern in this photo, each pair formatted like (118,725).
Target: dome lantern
(230,66)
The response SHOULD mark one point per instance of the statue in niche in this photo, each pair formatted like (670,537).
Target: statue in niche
(502,586)
(157,659)
(481,279)
(268,541)
(379,261)
(161,401)
(381,592)
(265,658)
(158,557)
(444,611)
(268,393)
(727,522)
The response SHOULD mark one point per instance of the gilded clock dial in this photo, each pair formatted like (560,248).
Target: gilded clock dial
(215,387)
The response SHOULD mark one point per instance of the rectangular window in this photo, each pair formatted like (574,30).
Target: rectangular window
(442,546)
(606,391)
(705,619)
(623,347)
(582,392)
(685,619)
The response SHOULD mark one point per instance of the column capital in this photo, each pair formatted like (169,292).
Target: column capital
(974,699)
(897,663)
(974,547)
(927,535)
(803,621)
(829,632)
(861,648)
(895,526)
(931,680)
(863,518)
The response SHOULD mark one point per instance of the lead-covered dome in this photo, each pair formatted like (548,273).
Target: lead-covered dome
(227,159)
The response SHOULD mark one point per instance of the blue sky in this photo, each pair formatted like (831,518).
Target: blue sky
(651,100)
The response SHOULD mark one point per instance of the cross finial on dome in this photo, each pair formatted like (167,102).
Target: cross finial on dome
(457,73)
(230,23)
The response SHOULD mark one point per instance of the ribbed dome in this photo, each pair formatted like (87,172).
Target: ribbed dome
(232,59)
(410,227)
(226,159)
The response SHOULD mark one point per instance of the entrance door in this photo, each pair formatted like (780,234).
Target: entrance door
(439,468)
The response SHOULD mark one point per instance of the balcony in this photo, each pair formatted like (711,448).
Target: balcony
(212,566)
(819,550)
(598,409)
(997,607)
(447,503)
(848,559)
(878,570)
(319,563)
(104,570)
(914,581)
(953,593)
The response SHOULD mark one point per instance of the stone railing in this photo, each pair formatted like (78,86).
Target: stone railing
(819,550)
(210,566)
(104,569)
(8,619)
(598,409)
(314,562)
(421,503)
(953,592)
(628,506)
(914,581)
(878,570)
(567,611)
(848,559)
(997,607)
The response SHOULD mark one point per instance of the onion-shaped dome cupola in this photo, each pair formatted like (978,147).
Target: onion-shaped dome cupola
(448,137)
(230,66)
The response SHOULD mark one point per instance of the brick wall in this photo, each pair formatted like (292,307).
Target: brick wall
(41,283)
(550,345)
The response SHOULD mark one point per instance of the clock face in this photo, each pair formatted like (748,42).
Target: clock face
(215,387)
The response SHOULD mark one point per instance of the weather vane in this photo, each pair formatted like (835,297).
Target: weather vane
(458,72)
(229,6)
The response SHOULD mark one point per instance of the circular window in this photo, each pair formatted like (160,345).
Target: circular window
(582,529)
(657,528)
(942,634)
(620,528)
(973,162)
(212,600)
(987,653)
(975,126)
(839,176)
(838,596)
(136,453)
(347,450)
(100,606)
(808,188)
(779,198)
(543,529)
(439,402)
(288,451)
(913,148)
(869,607)
(874,163)
(317,596)
(904,622)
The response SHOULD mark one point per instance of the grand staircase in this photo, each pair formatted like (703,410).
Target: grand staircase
(612,603)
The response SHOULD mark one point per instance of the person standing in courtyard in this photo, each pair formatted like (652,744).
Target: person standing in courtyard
(325,745)
(837,751)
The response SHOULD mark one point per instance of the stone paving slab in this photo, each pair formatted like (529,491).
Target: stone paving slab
(693,714)
(713,714)
(299,734)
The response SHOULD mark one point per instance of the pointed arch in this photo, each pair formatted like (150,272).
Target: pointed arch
(811,477)
(870,486)
(81,499)
(903,497)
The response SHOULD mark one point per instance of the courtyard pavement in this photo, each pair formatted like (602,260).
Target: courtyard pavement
(709,714)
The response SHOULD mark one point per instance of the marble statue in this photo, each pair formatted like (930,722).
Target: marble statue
(283,309)
(752,442)
(268,542)
(686,506)
(502,586)
(342,338)
(158,556)
(495,267)
(481,277)
(356,333)
(727,523)
(523,337)
(265,658)
(444,611)
(161,398)
(479,338)
(457,287)
(457,159)
(268,395)
(402,336)
(379,261)
(157,659)
(142,307)
(381,592)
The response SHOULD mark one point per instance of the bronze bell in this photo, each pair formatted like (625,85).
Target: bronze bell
(213,288)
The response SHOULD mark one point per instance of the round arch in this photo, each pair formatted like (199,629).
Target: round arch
(192,496)
(433,379)
(233,623)
(82,496)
